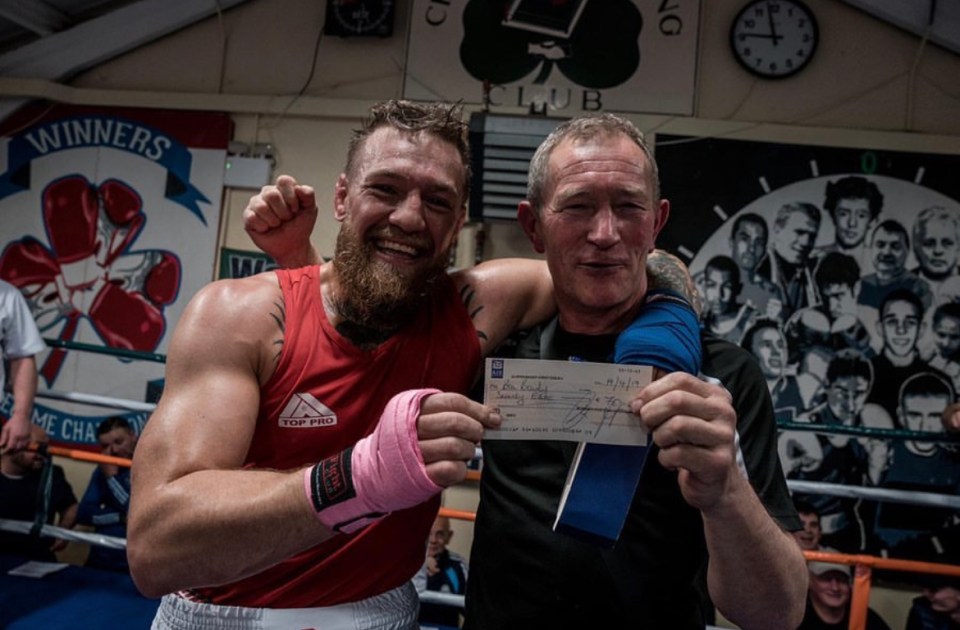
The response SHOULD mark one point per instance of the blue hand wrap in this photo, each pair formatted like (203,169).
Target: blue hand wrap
(665,334)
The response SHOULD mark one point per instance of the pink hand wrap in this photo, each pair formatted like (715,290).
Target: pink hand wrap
(381,473)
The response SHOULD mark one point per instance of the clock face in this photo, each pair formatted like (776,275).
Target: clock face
(359,17)
(774,38)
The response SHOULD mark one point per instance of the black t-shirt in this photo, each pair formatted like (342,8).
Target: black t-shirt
(523,575)
(18,501)
(812,622)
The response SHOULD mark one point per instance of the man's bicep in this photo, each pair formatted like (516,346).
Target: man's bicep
(206,416)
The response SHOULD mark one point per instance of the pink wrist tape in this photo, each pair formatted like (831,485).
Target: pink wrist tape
(381,473)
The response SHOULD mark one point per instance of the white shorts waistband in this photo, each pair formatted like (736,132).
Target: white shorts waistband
(396,609)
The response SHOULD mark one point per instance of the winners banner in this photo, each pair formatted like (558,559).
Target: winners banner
(108,226)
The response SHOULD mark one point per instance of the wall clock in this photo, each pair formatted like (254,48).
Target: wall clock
(774,39)
(359,17)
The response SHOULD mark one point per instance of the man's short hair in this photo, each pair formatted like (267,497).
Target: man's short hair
(934,213)
(749,217)
(837,268)
(787,209)
(724,264)
(901,295)
(113,422)
(950,309)
(583,128)
(847,363)
(926,384)
(805,507)
(746,342)
(439,119)
(853,187)
(894,227)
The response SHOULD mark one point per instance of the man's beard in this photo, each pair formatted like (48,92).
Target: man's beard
(375,299)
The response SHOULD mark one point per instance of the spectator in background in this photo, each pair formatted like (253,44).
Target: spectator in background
(854,203)
(828,600)
(107,499)
(939,606)
(19,342)
(789,262)
(21,478)
(444,571)
(950,418)
(809,537)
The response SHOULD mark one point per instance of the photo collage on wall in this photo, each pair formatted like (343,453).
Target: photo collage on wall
(837,268)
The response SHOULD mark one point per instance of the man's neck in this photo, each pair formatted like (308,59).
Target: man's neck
(899,361)
(829,614)
(596,321)
(11,470)
(886,277)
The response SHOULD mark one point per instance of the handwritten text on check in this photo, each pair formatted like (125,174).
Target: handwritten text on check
(565,400)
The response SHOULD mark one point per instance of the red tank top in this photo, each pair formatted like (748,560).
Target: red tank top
(326,395)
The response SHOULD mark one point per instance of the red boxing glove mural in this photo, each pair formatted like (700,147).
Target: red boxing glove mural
(88,271)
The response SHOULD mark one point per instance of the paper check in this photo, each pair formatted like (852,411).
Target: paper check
(565,400)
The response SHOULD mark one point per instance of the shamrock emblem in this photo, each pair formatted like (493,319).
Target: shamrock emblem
(602,50)
(88,270)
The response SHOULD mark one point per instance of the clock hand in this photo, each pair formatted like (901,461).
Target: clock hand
(773,28)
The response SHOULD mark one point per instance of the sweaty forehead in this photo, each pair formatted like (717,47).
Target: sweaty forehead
(410,153)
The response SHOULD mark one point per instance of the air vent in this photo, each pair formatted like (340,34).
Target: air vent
(502,147)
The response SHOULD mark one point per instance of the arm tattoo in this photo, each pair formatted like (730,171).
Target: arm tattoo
(279,316)
(466,295)
(665,271)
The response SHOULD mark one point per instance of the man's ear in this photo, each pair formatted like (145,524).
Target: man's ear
(663,213)
(530,222)
(339,198)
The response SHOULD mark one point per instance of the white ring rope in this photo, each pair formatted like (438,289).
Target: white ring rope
(24,527)
(444,599)
(910,497)
(100,401)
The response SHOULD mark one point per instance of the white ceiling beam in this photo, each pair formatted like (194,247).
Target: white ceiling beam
(35,16)
(68,52)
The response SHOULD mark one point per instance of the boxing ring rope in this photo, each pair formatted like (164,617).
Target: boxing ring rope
(52,531)
(99,401)
(108,350)
(871,432)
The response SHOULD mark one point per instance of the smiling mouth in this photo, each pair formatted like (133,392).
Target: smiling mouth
(396,249)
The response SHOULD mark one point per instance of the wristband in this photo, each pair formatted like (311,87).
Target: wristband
(381,473)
